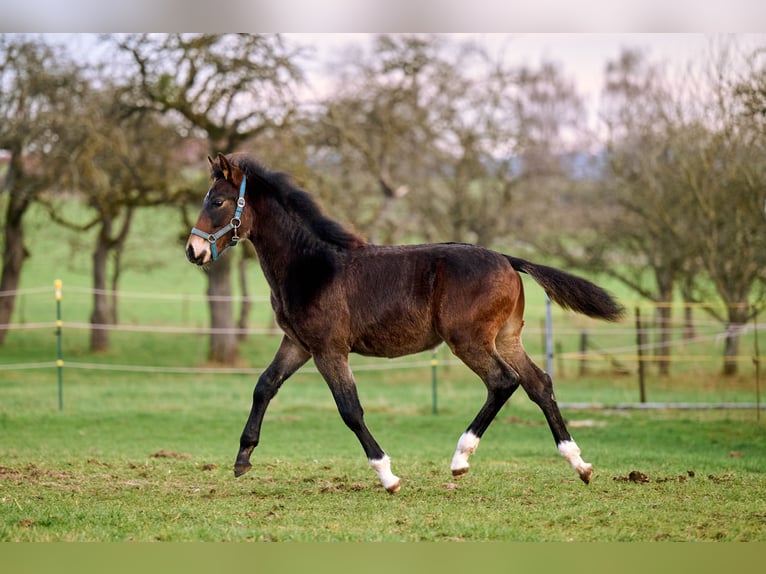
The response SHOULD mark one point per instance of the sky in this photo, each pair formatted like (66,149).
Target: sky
(582,56)
(382,15)
(580,34)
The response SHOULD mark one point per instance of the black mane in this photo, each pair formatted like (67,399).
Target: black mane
(299,203)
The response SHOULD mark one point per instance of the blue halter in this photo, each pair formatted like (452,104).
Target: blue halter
(233,224)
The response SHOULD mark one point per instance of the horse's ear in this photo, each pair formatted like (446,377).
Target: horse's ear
(225,166)
(210,161)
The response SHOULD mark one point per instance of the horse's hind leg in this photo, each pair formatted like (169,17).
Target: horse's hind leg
(339,378)
(289,358)
(501,381)
(539,387)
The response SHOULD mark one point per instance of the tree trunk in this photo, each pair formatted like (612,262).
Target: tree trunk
(244,312)
(689,330)
(102,313)
(738,315)
(664,316)
(223,341)
(117,247)
(13,259)
(731,350)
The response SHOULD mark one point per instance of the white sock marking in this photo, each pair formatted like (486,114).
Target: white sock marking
(570,451)
(387,478)
(466,446)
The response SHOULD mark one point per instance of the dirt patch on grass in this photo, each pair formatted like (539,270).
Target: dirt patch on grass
(32,471)
(170,454)
(31,474)
(637,476)
(340,485)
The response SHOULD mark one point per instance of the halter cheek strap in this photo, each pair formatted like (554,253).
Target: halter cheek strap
(233,224)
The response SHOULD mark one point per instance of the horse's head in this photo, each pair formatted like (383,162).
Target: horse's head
(218,224)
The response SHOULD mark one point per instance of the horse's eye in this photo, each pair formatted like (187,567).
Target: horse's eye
(217,202)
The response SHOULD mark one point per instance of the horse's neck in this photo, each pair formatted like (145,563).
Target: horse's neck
(281,242)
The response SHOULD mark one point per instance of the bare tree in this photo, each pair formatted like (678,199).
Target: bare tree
(39,91)
(428,134)
(231,88)
(468,194)
(720,163)
(680,208)
(373,133)
(749,90)
(123,161)
(649,199)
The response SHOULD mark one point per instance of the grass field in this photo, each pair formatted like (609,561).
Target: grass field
(151,460)
(147,455)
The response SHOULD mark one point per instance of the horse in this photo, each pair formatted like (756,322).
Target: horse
(333,294)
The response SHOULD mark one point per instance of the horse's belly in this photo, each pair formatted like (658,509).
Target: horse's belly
(392,342)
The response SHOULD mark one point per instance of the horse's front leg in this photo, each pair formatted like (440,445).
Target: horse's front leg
(337,374)
(289,358)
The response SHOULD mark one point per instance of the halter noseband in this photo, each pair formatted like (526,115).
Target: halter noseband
(233,224)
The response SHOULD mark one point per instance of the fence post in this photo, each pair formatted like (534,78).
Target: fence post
(583,351)
(640,345)
(59,361)
(757,361)
(434,363)
(548,337)
(559,361)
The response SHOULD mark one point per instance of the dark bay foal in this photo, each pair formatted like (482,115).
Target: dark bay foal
(334,294)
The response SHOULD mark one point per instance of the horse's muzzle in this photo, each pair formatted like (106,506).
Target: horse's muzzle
(198,257)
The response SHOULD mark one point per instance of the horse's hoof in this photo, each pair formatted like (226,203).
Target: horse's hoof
(394,488)
(458,472)
(241,468)
(586,473)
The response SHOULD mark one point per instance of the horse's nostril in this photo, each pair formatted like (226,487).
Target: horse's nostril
(192,256)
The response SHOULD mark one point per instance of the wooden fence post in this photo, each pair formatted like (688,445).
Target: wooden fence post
(59,359)
(640,338)
(757,361)
(583,350)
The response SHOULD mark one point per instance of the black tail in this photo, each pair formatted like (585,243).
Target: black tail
(571,292)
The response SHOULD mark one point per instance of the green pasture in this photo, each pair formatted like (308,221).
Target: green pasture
(146,454)
(142,458)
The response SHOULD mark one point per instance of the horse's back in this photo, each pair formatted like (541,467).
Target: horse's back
(407,299)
